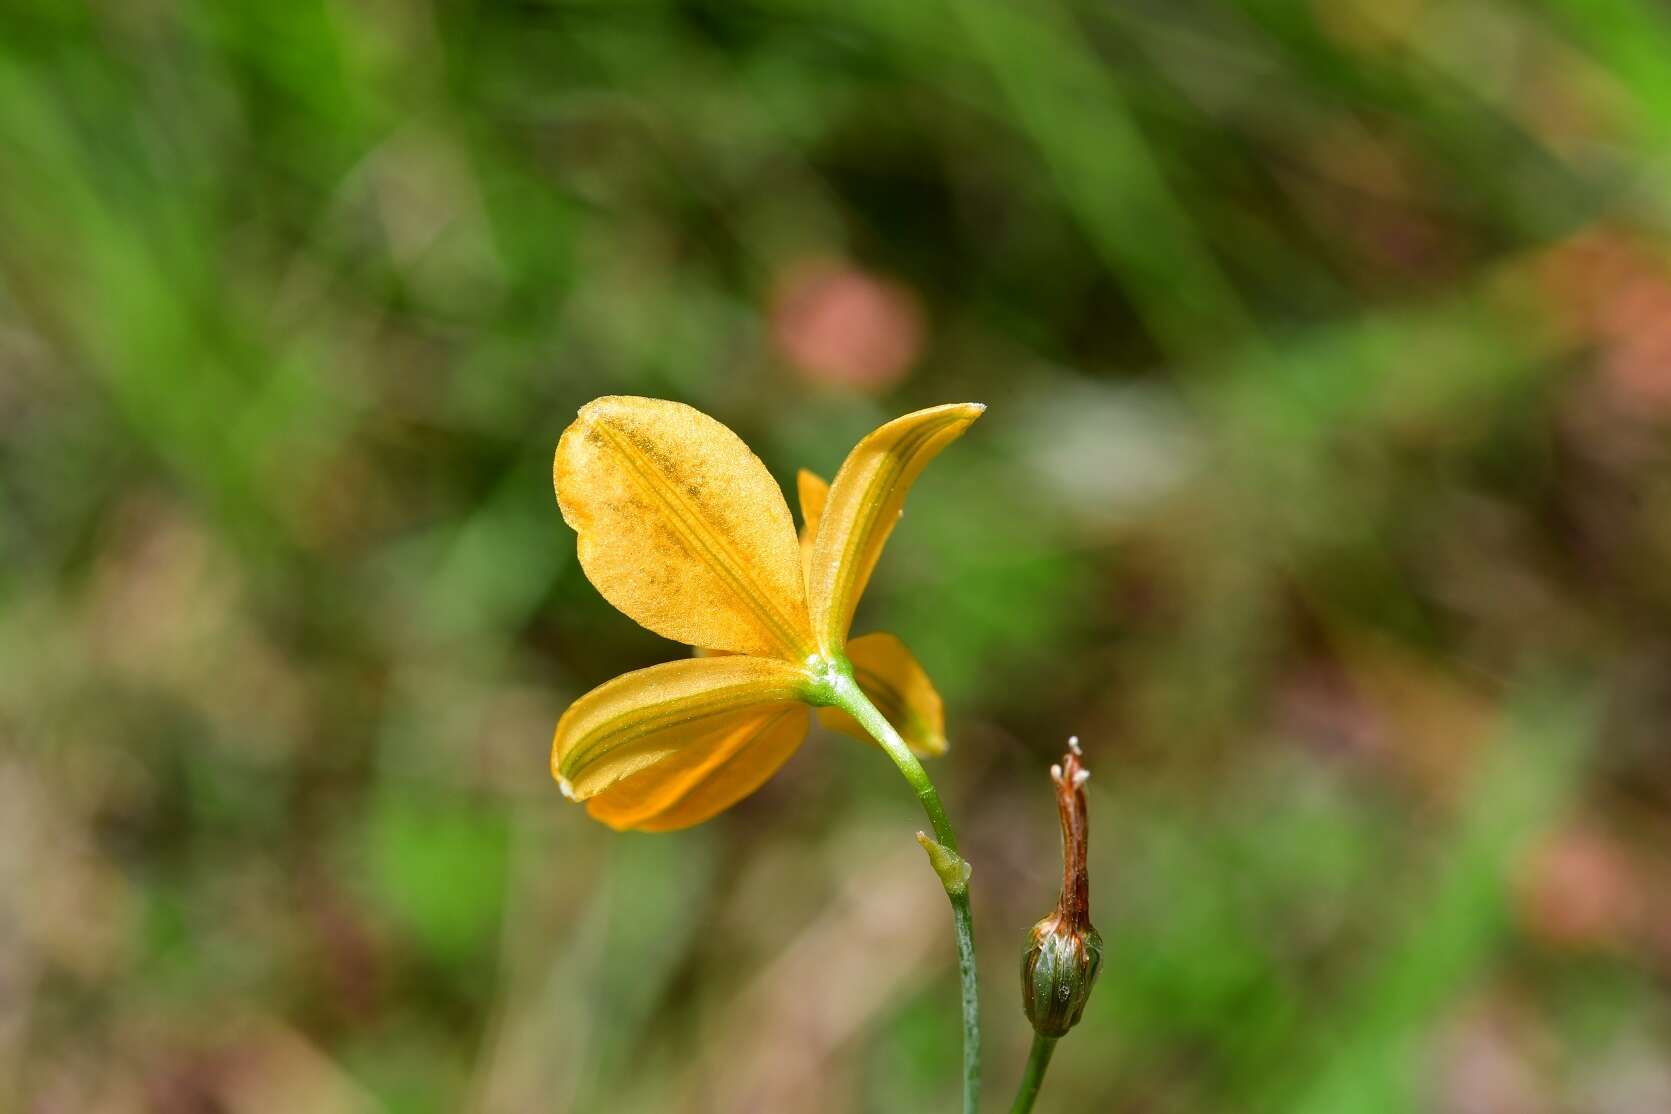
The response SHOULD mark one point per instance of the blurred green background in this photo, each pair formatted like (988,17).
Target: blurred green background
(1325,493)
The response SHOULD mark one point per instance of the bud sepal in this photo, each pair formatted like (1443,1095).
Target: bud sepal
(1058,970)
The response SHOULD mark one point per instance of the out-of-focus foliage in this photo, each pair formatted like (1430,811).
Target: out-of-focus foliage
(1325,493)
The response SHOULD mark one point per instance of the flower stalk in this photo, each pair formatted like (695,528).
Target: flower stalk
(1032,1077)
(952,869)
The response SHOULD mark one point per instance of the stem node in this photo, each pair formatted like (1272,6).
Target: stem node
(954,870)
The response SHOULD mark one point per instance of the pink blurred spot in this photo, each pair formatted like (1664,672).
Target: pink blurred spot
(1580,892)
(1637,361)
(843,326)
(1614,290)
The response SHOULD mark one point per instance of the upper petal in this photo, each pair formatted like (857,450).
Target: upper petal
(863,505)
(811,490)
(711,772)
(649,716)
(682,527)
(900,689)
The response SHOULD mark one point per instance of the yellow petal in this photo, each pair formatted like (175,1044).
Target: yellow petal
(709,774)
(864,503)
(901,691)
(811,489)
(682,527)
(651,715)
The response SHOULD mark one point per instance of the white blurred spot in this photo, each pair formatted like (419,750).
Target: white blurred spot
(1107,452)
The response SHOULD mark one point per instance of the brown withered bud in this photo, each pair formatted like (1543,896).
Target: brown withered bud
(1064,952)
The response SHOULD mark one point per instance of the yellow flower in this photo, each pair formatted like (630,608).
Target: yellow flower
(683,529)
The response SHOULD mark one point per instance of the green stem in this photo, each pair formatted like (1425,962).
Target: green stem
(1037,1060)
(851,700)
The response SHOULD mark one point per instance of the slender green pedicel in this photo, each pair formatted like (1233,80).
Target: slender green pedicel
(948,864)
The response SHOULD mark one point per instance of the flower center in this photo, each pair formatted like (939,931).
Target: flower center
(829,677)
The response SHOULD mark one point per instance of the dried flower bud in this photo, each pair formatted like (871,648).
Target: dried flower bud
(1063,951)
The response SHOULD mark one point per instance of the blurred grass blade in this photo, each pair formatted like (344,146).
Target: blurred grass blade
(1451,929)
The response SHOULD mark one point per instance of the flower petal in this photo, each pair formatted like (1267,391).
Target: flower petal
(901,691)
(682,527)
(864,503)
(649,716)
(708,775)
(811,489)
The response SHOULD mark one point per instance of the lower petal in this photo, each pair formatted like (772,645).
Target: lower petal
(650,716)
(708,774)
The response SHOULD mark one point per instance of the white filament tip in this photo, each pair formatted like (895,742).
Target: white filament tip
(1073,744)
(1080,777)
